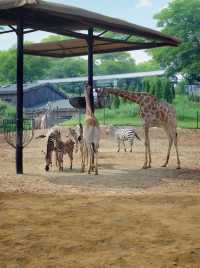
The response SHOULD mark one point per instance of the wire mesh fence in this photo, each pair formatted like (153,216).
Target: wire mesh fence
(8,128)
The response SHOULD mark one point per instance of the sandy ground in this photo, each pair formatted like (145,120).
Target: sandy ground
(125,217)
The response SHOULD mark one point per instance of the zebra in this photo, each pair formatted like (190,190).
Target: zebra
(125,134)
(55,143)
(62,148)
(53,136)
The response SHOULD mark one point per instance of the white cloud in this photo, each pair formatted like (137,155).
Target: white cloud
(144,3)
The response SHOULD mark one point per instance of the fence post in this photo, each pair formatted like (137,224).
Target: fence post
(197,119)
(104,111)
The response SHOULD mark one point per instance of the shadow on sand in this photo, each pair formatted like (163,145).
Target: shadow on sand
(109,177)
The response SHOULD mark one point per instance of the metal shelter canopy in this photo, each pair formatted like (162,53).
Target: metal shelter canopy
(25,16)
(79,47)
(66,20)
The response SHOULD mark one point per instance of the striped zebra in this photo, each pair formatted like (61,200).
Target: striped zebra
(125,134)
(63,148)
(55,143)
(53,136)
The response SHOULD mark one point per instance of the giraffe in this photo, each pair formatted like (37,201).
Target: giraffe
(154,113)
(91,136)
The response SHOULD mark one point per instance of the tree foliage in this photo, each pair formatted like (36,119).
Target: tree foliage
(162,88)
(181,18)
(34,67)
(114,63)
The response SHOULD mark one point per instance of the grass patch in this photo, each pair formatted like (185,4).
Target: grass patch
(127,114)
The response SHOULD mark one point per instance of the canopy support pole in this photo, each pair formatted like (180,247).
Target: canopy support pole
(19,103)
(90,41)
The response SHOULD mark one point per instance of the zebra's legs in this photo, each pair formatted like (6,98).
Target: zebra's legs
(48,160)
(131,146)
(71,159)
(56,153)
(60,160)
(123,142)
(118,143)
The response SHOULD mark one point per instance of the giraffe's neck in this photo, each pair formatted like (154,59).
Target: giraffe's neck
(88,103)
(132,96)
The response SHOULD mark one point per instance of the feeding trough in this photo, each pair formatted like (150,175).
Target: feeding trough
(99,102)
(78,102)
(9,130)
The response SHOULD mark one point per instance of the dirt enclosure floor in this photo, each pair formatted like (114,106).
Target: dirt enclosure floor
(124,217)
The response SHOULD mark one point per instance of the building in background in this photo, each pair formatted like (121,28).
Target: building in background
(37,98)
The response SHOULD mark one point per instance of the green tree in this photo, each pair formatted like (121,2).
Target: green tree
(159,88)
(181,18)
(55,37)
(168,95)
(114,63)
(146,66)
(69,67)
(34,67)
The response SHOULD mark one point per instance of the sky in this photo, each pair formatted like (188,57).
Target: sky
(136,11)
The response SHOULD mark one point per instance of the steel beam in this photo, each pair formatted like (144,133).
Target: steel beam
(19,103)
(90,41)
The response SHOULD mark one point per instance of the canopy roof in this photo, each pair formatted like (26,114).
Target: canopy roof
(68,20)
(79,47)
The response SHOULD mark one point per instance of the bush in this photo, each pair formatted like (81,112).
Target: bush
(6,110)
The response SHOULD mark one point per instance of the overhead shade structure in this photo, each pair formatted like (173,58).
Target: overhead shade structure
(79,47)
(64,19)
(91,30)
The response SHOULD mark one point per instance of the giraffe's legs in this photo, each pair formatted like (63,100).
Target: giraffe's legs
(177,153)
(169,150)
(149,151)
(83,156)
(172,136)
(147,163)
(90,161)
(96,163)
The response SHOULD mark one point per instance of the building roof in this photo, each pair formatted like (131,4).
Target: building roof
(103,77)
(11,89)
(58,104)
(69,20)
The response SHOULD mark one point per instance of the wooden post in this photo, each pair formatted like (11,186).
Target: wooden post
(197,119)
(19,104)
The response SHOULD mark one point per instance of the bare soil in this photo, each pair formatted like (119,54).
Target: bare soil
(124,217)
